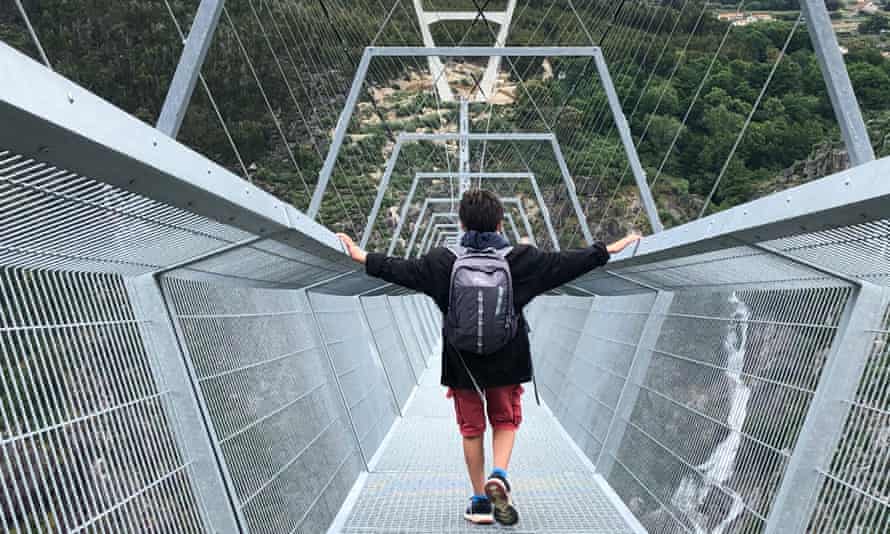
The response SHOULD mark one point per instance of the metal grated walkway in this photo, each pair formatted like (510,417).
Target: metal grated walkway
(418,482)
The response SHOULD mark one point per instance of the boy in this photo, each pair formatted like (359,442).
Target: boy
(500,374)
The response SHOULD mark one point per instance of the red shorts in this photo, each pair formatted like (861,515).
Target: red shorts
(504,409)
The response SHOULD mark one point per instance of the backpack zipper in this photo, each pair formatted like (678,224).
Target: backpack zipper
(479,321)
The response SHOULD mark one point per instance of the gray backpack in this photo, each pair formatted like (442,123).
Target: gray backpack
(481,318)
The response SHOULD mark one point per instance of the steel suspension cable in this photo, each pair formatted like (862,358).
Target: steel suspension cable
(692,103)
(337,192)
(212,100)
(651,76)
(33,34)
(750,116)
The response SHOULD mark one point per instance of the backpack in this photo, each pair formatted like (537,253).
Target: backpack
(481,317)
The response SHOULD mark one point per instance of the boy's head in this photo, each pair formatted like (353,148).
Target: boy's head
(481,210)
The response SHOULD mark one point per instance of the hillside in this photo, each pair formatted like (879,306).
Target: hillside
(126,51)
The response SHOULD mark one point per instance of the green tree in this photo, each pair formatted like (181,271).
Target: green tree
(874,24)
(870,83)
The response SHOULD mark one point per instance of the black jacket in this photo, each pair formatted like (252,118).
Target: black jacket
(534,272)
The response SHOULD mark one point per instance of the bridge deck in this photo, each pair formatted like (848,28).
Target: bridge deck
(418,483)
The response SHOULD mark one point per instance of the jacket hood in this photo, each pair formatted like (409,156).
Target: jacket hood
(483,240)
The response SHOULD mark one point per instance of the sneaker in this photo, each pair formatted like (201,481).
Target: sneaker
(498,491)
(479,511)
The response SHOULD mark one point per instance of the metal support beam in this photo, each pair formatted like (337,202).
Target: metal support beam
(430,237)
(629,148)
(545,213)
(426,234)
(573,193)
(403,214)
(324,176)
(487,87)
(464,156)
(361,74)
(630,390)
(416,229)
(464,163)
(484,51)
(509,217)
(837,81)
(194,51)
(381,192)
(539,137)
(528,226)
(497,136)
(446,237)
(827,414)
(437,70)
(194,432)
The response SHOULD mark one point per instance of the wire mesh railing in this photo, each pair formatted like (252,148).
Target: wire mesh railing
(88,425)
(701,400)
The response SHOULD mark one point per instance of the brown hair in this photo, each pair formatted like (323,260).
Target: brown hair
(481,210)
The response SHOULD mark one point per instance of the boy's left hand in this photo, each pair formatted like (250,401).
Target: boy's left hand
(623,243)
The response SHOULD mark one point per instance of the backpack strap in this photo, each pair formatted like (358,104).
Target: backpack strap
(503,252)
(458,250)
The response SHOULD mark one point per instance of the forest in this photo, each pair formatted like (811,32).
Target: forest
(686,116)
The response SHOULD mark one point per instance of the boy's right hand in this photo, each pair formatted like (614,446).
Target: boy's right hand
(355,252)
(623,243)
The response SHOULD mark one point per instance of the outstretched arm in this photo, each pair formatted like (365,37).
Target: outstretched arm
(557,268)
(413,274)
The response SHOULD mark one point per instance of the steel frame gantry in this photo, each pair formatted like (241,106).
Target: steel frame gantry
(589,51)
(406,204)
(429,225)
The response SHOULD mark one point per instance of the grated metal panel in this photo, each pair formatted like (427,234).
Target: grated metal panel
(855,494)
(735,267)
(423,444)
(552,352)
(272,401)
(411,336)
(426,337)
(289,260)
(420,483)
(390,346)
(55,219)
(730,380)
(558,502)
(87,430)
(598,369)
(719,412)
(359,369)
(861,250)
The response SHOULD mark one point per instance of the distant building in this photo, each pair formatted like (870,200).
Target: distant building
(743,19)
(867,7)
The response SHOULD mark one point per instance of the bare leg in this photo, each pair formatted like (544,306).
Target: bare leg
(474,454)
(502,442)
